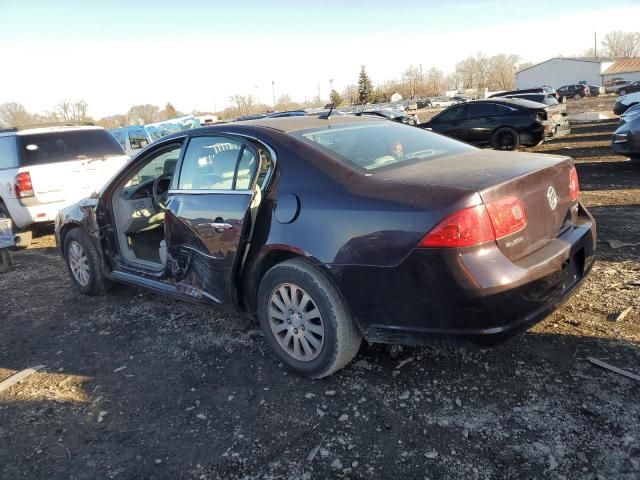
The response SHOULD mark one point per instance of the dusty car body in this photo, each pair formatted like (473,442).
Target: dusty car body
(381,230)
(626,139)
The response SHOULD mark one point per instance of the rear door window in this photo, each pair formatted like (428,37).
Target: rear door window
(64,146)
(479,110)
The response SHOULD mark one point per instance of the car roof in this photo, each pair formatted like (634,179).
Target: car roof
(293,124)
(30,130)
(509,101)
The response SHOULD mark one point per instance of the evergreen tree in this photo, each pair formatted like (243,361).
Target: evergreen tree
(365,87)
(336,98)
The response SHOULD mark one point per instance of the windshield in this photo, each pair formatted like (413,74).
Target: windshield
(382,146)
(63,146)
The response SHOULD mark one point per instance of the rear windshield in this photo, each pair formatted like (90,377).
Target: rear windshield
(63,146)
(381,146)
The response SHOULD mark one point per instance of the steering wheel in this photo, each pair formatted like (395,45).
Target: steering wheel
(160,199)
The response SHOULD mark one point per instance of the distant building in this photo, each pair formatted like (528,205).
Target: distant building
(396,97)
(626,68)
(560,71)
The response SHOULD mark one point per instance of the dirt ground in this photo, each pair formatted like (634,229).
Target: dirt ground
(137,385)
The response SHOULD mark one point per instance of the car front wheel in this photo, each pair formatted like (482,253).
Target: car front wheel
(623,92)
(576,96)
(83,263)
(305,320)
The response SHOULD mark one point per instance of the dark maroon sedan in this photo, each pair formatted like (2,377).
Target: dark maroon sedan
(331,230)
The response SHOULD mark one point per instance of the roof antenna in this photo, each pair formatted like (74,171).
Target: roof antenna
(328,115)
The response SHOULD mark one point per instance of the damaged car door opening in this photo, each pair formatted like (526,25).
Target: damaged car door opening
(333,230)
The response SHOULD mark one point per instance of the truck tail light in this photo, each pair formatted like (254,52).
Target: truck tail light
(479,224)
(23,186)
(574,185)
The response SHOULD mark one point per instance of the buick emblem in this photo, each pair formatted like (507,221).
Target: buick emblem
(552,198)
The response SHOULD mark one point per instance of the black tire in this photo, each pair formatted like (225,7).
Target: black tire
(577,96)
(505,138)
(5,260)
(23,237)
(341,337)
(622,92)
(95,281)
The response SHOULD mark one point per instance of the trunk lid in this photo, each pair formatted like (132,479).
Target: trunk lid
(540,181)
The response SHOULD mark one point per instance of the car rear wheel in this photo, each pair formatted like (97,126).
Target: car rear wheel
(505,138)
(305,320)
(23,237)
(622,92)
(577,96)
(83,263)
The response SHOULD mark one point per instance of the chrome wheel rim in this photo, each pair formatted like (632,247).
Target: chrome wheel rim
(78,263)
(295,322)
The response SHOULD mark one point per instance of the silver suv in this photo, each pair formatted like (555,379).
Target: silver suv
(44,169)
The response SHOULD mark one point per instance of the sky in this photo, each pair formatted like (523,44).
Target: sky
(196,54)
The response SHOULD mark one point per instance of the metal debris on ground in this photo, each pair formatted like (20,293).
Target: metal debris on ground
(623,314)
(618,244)
(18,377)
(404,362)
(602,364)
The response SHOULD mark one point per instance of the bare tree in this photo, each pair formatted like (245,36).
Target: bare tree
(285,103)
(168,112)
(501,70)
(114,121)
(144,114)
(435,82)
(71,111)
(350,94)
(244,104)
(411,82)
(14,114)
(622,44)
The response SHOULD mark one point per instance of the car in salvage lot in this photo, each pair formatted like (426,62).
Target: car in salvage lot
(625,102)
(502,123)
(43,169)
(331,230)
(626,138)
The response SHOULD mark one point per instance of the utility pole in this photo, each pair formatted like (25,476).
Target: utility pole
(595,44)
(330,87)
(273,91)
(319,97)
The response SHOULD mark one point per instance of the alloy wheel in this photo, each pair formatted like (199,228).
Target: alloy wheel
(79,263)
(296,322)
(506,141)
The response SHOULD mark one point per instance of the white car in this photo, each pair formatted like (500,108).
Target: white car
(45,169)
(442,102)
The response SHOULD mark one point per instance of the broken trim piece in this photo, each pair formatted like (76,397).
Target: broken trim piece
(18,377)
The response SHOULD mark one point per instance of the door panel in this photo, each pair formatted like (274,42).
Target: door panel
(203,234)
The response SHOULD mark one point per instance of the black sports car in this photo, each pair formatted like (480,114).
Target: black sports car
(502,123)
(331,230)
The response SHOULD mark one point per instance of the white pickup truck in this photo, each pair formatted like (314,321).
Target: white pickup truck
(44,169)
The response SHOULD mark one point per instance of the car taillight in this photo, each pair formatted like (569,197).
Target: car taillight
(23,185)
(574,185)
(479,224)
(467,227)
(508,216)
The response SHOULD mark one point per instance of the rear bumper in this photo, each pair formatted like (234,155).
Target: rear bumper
(476,294)
(26,215)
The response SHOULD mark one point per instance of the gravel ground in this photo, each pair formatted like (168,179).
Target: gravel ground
(140,386)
